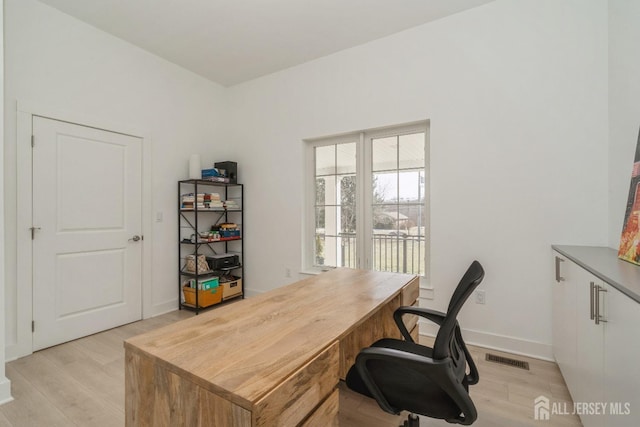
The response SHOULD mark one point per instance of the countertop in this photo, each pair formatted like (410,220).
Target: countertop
(604,263)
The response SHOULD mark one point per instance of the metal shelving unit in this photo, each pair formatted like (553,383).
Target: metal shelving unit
(191,223)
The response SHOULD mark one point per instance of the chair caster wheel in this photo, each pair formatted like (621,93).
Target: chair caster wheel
(412,421)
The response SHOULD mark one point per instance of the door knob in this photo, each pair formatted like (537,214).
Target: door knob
(135,238)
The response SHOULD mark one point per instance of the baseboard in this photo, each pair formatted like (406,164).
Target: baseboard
(536,350)
(16,351)
(427,293)
(165,307)
(5,391)
(248,293)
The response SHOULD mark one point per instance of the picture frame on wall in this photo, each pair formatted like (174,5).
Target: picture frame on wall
(629,249)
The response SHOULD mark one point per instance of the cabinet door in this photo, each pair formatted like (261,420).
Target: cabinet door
(590,345)
(622,359)
(564,317)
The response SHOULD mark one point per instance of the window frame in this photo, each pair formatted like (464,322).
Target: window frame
(364,189)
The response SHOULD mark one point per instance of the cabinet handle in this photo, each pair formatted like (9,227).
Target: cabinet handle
(558,277)
(599,319)
(592,288)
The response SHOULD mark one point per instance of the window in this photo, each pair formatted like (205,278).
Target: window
(335,204)
(367,200)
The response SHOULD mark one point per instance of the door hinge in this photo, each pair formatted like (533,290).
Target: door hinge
(33,326)
(33,141)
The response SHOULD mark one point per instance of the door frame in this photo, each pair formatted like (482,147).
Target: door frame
(24,205)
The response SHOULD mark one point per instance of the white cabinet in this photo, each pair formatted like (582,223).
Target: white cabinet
(622,358)
(578,342)
(595,345)
(590,345)
(564,318)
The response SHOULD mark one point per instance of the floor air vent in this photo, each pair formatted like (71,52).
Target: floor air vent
(507,361)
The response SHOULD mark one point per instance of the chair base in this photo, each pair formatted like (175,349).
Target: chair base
(412,421)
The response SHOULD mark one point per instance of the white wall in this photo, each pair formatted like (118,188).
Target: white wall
(624,106)
(57,61)
(516,92)
(5,384)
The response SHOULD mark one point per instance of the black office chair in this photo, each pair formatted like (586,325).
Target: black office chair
(405,376)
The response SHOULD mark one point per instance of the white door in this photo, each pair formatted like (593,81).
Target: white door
(87,204)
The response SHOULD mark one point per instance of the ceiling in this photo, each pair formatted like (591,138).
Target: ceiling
(232,41)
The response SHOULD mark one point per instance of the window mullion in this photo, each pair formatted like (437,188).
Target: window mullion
(365,185)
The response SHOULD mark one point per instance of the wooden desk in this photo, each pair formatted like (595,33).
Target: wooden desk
(271,360)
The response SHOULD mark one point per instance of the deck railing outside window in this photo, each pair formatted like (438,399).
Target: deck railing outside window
(399,254)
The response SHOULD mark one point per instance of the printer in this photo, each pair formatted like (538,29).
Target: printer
(222,261)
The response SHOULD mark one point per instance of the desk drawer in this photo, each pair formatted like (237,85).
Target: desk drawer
(294,399)
(415,334)
(411,292)
(410,320)
(326,415)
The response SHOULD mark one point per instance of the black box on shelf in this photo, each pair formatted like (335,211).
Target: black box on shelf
(231,170)
(219,261)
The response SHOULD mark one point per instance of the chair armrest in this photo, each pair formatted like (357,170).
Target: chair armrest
(436,317)
(473,377)
(439,371)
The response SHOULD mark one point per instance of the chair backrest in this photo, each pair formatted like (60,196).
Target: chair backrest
(446,344)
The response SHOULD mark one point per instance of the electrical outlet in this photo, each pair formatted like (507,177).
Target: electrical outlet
(287,272)
(480,296)
(159,216)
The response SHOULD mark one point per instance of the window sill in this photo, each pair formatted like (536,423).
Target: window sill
(314,271)
(309,272)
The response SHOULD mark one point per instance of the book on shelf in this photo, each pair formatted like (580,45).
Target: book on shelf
(216,179)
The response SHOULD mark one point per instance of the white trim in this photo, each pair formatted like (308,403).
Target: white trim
(24,277)
(5,384)
(171,306)
(364,244)
(388,130)
(505,343)
(363,140)
(148,309)
(248,293)
(308,221)
(427,293)
(401,129)
(64,115)
(24,255)
(425,281)
(5,391)
(163,308)
(310,272)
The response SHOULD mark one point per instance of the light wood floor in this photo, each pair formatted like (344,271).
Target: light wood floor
(81,383)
